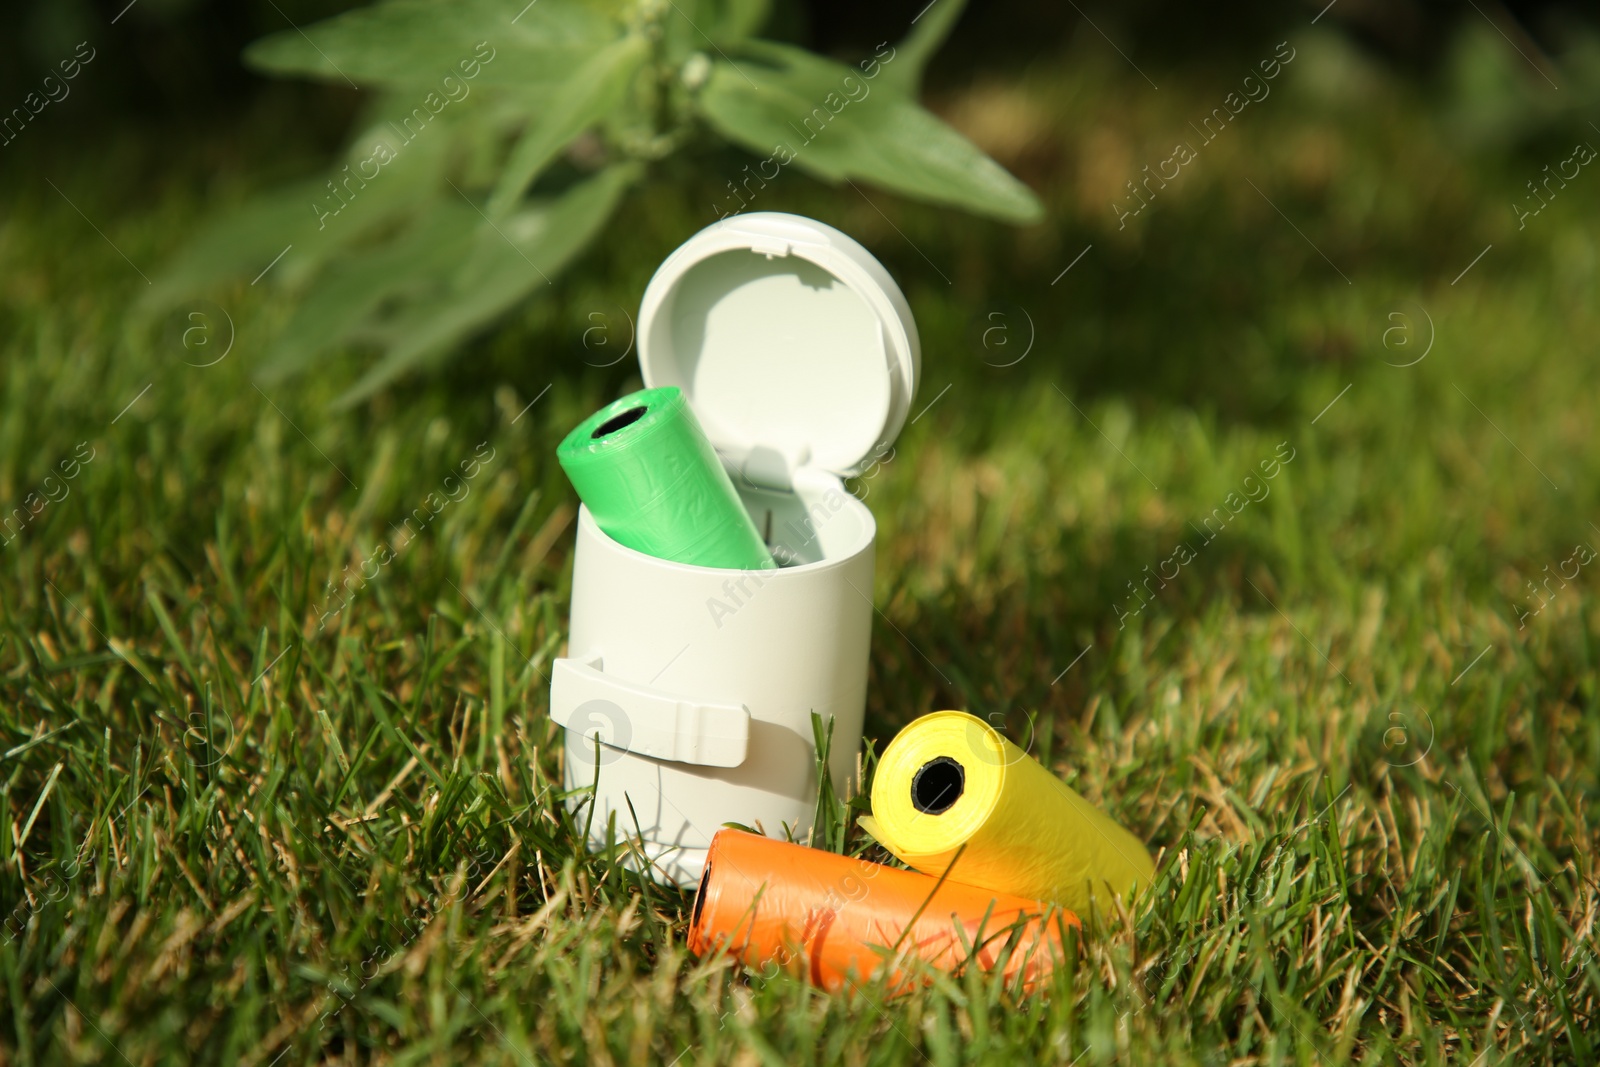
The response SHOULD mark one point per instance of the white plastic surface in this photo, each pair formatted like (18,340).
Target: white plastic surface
(790,341)
(687,692)
(781,643)
(597,706)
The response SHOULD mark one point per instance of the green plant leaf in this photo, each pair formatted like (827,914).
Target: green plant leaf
(400,263)
(839,125)
(731,21)
(597,89)
(406,43)
(706,26)
(308,219)
(903,73)
(353,289)
(505,262)
(235,243)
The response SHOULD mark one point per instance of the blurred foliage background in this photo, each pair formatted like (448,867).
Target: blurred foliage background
(182,57)
(174,84)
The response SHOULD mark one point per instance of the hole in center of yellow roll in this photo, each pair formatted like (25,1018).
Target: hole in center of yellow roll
(618,421)
(937,785)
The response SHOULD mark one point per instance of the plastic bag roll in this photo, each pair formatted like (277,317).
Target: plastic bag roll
(645,470)
(835,920)
(949,780)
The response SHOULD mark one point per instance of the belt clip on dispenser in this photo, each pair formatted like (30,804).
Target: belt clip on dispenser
(687,691)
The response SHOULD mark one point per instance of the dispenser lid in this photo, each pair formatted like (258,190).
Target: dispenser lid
(789,340)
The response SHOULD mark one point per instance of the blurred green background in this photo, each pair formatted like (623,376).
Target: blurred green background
(1360,727)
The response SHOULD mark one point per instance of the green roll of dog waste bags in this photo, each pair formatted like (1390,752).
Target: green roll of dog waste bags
(651,480)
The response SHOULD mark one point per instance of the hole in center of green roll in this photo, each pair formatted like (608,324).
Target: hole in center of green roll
(617,422)
(937,785)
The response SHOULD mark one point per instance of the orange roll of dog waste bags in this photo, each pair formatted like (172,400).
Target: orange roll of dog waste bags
(949,780)
(833,920)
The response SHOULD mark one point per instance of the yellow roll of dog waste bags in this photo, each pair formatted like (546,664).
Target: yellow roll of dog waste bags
(949,780)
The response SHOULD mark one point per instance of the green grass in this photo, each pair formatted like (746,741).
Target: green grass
(230,836)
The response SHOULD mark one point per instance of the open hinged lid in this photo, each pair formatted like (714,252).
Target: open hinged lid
(790,341)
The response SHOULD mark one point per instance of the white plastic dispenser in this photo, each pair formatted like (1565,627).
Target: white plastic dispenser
(798,354)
